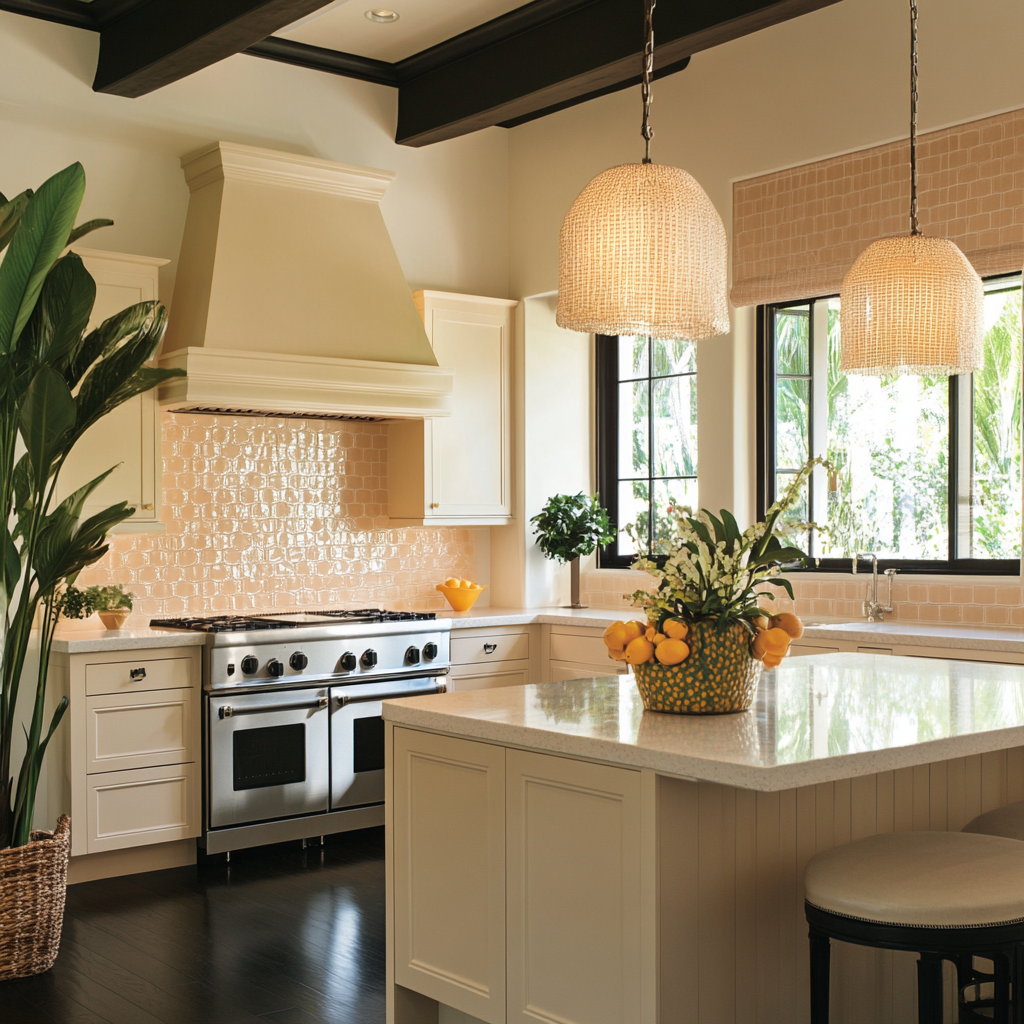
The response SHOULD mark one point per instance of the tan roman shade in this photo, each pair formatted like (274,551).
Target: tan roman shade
(797,232)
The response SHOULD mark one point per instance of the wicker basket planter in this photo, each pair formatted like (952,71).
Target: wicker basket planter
(718,677)
(33,881)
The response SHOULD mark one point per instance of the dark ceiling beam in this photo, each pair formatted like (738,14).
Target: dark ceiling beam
(320,58)
(63,12)
(161,41)
(593,49)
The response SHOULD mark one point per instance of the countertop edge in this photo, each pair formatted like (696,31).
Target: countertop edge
(125,640)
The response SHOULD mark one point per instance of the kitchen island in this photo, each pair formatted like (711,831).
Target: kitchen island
(557,854)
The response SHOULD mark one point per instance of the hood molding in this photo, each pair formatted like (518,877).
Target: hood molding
(290,299)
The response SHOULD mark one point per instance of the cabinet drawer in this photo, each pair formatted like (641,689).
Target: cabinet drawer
(140,730)
(499,647)
(801,650)
(141,807)
(485,677)
(563,670)
(583,650)
(150,674)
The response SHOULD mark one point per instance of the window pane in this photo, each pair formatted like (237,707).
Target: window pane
(633,429)
(674,356)
(668,495)
(792,423)
(633,510)
(792,340)
(994,505)
(889,440)
(675,426)
(632,358)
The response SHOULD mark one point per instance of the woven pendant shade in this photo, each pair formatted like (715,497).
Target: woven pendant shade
(643,251)
(912,305)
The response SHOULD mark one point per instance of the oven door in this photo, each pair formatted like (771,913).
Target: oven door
(268,755)
(357,738)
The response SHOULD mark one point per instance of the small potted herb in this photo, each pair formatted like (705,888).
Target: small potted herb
(570,526)
(113,604)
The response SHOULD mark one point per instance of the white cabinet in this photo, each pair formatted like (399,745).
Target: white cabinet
(132,747)
(457,470)
(579,652)
(128,437)
(483,658)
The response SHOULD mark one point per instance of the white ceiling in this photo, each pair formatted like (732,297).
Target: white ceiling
(343,25)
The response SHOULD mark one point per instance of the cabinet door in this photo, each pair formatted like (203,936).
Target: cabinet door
(128,437)
(143,730)
(573,903)
(449,841)
(484,677)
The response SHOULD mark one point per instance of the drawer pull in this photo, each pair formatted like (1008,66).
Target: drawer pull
(490,648)
(137,673)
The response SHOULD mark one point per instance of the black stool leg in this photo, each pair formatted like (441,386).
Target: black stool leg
(929,989)
(820,965)
(1001,976)
(1017,980)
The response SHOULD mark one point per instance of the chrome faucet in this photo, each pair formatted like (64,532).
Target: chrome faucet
(873,610)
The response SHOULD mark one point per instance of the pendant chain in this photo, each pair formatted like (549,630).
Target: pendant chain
(914,229)
(648,69)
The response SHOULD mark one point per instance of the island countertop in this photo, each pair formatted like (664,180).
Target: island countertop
(815,719)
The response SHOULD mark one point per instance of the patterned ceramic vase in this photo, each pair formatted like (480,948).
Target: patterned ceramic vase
(718,677)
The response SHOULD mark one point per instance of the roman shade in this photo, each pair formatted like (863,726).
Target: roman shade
(797,232)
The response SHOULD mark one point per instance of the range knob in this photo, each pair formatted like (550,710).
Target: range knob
(298,661)
(430,651)
(369,658)
(412,656)
(348,661)
(250,664)
(275,668)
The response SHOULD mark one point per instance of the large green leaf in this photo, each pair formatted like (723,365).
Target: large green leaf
(97,343)
(47,414)
(42,234)
(54,332)
(10,216)
(88,227)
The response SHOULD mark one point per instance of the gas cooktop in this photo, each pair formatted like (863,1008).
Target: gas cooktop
(287,620)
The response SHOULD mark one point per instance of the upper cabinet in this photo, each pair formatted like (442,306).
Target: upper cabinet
(128,437)
(457,470)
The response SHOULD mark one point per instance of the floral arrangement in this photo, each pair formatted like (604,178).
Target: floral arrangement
(713,573)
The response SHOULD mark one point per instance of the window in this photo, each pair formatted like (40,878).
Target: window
(926,471)
(647,443)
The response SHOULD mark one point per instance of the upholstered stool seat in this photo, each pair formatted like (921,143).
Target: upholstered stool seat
(946,895)
(1007,822)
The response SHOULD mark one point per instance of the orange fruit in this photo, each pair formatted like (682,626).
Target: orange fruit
(789,623)
(616,637)
(671,652)
(452,582)
(633,629)
(761,622)
(675,629)
(658,638)
(639,651)
(772,660)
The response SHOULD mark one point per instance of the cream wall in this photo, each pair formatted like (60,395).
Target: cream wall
(446,210)
(828,82)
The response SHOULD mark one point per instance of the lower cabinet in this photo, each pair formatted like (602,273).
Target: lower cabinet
(484,677)
(511,904)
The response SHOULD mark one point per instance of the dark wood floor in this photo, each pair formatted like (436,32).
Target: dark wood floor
(282,936)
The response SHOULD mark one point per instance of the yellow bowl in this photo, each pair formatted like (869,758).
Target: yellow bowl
(461,600)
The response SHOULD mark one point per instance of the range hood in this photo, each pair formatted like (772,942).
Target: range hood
(290,299)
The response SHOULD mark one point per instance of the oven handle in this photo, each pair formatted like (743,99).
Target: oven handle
(227,711)
(345,700)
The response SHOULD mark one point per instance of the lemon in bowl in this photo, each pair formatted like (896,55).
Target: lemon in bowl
(461,594)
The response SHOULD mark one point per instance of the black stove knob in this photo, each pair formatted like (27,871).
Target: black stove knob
(412,656)
(249,664)
(369,658)
(348,661)
(298,661)
(275,668)
(430,651)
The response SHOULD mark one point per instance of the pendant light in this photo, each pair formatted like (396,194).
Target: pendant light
(643,249)
(910,304)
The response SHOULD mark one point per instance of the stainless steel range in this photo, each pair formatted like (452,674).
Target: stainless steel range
(293,739)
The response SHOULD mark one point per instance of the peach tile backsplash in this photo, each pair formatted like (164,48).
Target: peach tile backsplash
(267,514)
(968,599)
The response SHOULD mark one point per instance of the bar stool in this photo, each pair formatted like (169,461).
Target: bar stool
(945,895)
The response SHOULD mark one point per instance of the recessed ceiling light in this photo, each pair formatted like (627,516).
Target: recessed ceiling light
(382,15)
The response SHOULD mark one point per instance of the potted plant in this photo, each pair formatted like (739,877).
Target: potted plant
(707,636)
(113,604)
(570,526)
(56,380)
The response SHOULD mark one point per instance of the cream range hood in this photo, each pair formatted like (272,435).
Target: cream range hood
(290,299)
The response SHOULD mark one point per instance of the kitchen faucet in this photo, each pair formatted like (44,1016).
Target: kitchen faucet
(874,611)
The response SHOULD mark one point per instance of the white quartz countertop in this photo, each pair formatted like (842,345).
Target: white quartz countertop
(487,617)
(919,634)
(816,719)
(85,641)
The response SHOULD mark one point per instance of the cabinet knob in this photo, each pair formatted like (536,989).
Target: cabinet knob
(435,504)
(137,673)
(490,648)
(147,506)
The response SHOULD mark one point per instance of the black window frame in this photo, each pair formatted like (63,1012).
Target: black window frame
(607,409)
(766,469)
